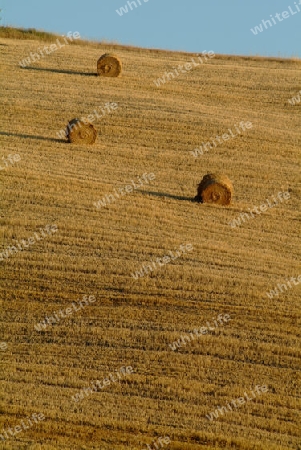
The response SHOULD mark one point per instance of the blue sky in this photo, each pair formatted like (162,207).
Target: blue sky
(223,26)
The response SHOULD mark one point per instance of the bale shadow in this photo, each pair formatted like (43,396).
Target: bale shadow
(174,197)
(68,72)
(29,136)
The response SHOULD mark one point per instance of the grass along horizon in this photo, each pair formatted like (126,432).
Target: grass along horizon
(9,32)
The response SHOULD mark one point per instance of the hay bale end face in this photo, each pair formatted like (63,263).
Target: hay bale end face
(215,188)
(109,65)
(81,132)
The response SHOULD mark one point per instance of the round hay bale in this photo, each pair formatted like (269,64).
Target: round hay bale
(109,65)
(81,132)
(215,188)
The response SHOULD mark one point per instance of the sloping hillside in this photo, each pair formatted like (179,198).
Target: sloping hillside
(103,241)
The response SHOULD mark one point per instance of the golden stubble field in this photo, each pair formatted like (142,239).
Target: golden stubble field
(95,251)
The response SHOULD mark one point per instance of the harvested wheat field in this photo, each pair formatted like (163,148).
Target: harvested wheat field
(134,317)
